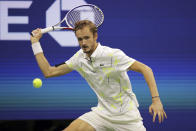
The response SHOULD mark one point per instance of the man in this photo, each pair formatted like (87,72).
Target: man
(105,70)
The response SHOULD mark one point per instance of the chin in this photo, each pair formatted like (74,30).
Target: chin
(87,51)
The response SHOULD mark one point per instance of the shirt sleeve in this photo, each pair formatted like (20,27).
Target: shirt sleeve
(73,61)
(122,61)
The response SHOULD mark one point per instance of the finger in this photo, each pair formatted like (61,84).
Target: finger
(154,116)
(159,115)
(39,30)
(150,110)
(162,116)
(165,114)
(34,32)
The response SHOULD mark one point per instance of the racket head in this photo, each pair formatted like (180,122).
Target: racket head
(84,12)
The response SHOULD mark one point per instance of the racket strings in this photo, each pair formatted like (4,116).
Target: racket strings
(91,13)
(74,17)
(98,16)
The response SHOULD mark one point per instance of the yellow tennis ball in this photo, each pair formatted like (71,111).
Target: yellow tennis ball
(37,83)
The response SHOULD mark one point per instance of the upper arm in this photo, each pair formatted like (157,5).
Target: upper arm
(59,70)
(139,67)
(121,60)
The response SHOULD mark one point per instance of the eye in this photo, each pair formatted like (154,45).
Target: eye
(79,39)
(86,37)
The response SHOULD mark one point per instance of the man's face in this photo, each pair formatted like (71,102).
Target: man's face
(86,40)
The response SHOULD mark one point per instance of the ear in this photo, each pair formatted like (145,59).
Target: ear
(95,36)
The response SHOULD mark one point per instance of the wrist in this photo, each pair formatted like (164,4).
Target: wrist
(36,47)
(156,99)
(33,42)
(153,97)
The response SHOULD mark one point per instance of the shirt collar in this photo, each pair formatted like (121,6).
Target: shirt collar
(96,53)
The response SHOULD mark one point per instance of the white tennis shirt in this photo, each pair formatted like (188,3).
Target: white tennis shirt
(106,73)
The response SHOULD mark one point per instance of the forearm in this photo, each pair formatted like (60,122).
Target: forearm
(148,75)
(156,108)
(43,64)
(38,52)
(150,80)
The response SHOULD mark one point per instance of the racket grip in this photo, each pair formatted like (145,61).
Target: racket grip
(48,29)
(45,30)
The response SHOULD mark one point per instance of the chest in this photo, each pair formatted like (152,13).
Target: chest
(99,69)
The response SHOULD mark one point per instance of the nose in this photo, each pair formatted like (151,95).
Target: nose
(83,42)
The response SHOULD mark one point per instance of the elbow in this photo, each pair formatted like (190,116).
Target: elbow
(47,74)
(146,69)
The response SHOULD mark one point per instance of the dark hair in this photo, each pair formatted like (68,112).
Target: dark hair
(83,23)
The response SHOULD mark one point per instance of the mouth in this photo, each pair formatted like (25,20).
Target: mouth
(84,47)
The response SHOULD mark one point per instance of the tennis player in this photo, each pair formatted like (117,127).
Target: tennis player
(105,70)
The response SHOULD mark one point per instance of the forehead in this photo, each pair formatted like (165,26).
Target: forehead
(84,32)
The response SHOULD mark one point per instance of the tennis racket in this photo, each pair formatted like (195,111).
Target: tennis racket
(82,12)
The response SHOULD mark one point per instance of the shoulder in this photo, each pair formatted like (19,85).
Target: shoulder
(112,51)
(107,49)
(78,54)
(73,61)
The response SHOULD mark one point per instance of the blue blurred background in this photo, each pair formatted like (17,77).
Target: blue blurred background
(161,34)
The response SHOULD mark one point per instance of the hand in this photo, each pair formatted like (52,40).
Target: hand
(36,35)
(156,108)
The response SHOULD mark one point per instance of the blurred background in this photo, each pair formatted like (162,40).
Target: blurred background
(160,34)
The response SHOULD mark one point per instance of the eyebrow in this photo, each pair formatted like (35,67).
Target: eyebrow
(86,36)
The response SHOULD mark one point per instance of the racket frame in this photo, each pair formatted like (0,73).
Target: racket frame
(56,27)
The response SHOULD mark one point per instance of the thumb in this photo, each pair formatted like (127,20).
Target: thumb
(150,110)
